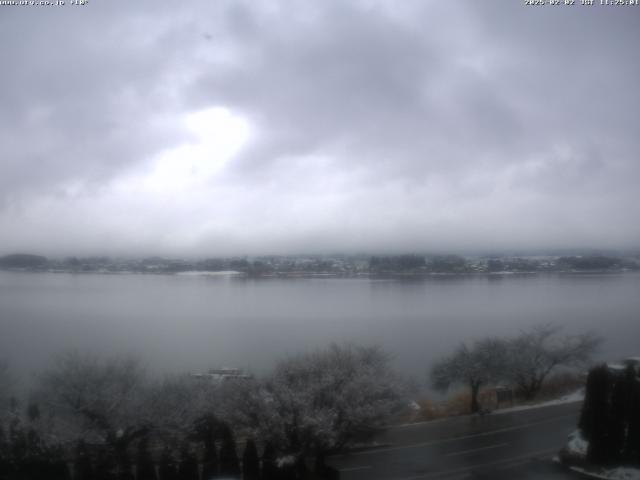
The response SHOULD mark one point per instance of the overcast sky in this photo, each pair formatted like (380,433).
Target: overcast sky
(247,127)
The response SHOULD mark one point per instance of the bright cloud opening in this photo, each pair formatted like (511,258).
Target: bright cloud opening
(217,136)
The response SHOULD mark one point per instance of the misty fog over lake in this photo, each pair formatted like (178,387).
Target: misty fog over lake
(192,323)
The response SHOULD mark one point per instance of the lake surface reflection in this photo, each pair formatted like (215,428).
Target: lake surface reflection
(180,323)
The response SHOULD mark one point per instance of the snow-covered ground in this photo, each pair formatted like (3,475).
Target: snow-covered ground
(576,396)
(619,473)
(577,445)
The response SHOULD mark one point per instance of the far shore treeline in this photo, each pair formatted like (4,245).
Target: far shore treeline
(332,265)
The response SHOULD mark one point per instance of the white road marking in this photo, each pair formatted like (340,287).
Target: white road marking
(464,470)
(352,469)
(479,449)
(448,440)
(459,477)
(515,464)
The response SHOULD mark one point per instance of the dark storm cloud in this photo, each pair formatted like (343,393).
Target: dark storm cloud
(79,94)
(360,84)
(436,87)
(373,124)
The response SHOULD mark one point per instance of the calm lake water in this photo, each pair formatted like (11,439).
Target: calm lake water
(180,323)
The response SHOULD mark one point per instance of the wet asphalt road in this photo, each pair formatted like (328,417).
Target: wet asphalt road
(518,445)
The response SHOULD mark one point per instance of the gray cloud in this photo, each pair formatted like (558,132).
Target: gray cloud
(373,126)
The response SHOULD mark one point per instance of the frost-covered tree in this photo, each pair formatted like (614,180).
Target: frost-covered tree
(320,401)
(96,399)
(535,353)
(25,454)
(174,406)
(110,401)
(474,366)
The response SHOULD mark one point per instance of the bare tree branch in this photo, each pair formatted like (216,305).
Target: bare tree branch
(474,366)
(536,352)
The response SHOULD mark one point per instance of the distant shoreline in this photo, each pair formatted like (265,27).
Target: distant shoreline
(406,266)
(322,275)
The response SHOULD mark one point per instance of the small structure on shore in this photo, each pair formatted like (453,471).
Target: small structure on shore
(504,395)
(219,375)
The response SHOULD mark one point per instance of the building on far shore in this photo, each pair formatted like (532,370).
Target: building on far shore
(224,374)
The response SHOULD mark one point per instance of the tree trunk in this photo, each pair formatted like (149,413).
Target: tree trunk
(475,389)
(533,388)
(528,393)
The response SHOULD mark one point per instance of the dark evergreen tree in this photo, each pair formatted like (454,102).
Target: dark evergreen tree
(634,422)
(595,415)
(632,451)
(4,455)
(188,466)
(593,419)
(118,443)
(633,437)
(105,464)
(124,470)
(167,468)
(209,461)
(288,468)
(250,461)
(320,466)
(205,431)
(229,463)
(33,412)
(145,469)
(82,468)
(633,429)
(17,448)
(17,442)
(287,471)
(624,408)
(269,467)
(56,466)
(3,441)
(322,470)
(618,418)
(40,461)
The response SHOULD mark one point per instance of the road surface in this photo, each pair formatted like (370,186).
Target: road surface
(496,446)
